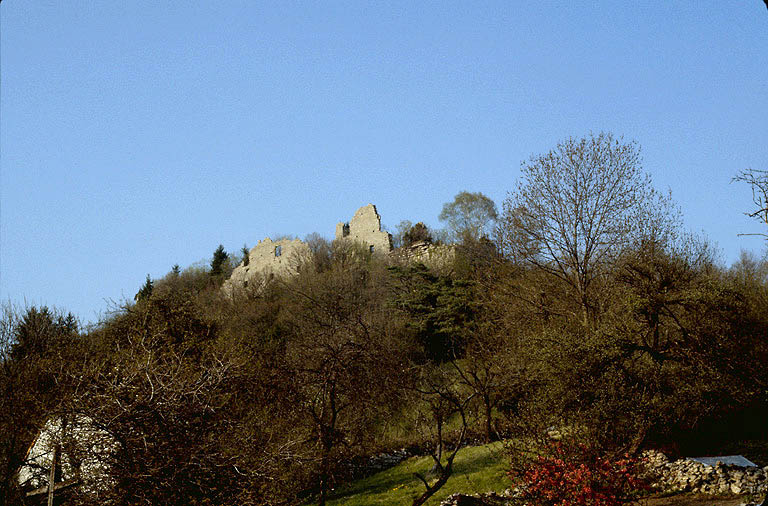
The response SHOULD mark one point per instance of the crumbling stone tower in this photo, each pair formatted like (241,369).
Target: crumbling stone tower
(365,228)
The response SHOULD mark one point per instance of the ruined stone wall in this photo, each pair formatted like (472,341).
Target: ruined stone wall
(365,228)
(268,259)
(283,258)
(439,257)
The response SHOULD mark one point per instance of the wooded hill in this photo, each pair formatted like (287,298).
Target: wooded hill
(582,307)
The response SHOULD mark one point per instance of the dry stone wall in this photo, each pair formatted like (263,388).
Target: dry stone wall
(82,460)
(686,475)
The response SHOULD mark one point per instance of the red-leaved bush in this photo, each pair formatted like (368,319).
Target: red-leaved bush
(574,475)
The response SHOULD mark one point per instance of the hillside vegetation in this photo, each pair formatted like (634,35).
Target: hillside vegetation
(580,312)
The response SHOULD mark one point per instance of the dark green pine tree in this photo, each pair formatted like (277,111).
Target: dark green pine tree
(220,256)
(146,291)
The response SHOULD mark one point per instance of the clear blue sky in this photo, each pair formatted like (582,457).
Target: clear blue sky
(139,134)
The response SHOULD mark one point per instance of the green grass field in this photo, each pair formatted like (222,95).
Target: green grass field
(476,469)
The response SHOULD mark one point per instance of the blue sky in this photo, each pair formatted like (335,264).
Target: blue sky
(136,135)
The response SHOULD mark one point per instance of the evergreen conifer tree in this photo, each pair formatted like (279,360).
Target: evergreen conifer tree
(220,256)
(146,291)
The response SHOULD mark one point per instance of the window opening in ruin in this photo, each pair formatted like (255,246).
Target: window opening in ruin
(371,248)
(278,251)
(345,230)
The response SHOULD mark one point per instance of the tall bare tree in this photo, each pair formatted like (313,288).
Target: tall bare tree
(443,398)
(577,207)
(758,181)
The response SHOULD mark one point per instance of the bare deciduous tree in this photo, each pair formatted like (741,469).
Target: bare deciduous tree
(445,399)
(758,181)
(577,207)
(339,360)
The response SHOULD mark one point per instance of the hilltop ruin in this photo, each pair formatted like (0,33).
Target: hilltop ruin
(284,258)
(365,228)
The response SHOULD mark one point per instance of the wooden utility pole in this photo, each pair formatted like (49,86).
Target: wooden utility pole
(52,476)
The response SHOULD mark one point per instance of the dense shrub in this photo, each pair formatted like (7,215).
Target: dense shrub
(577,475)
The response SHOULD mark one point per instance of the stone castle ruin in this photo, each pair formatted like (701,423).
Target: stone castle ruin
(365,228)
(268,259)
(284,258)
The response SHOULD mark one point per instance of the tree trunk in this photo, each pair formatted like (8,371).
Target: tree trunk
(444,475)
(489,433)
(324,478)
(585,311)
(323,489)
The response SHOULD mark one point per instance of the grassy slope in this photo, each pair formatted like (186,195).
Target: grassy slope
(476,469)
